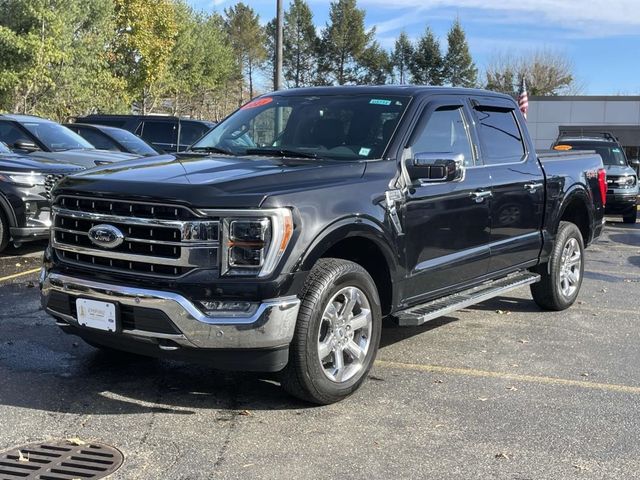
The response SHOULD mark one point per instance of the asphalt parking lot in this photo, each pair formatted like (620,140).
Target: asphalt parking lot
(497,391)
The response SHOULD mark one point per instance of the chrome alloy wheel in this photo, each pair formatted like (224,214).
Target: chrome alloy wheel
(344,336)
(570,268)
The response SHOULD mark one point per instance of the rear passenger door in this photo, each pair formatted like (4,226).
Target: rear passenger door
(517,181)
(161,133)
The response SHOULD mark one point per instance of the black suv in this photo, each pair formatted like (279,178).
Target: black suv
(171,134)
(622,180)
(25,194)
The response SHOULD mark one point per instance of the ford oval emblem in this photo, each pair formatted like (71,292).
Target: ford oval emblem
(106,236)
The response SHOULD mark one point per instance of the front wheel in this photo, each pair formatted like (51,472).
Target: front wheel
(561,279)
(337,333)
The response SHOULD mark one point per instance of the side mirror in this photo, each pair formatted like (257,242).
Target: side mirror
(436,167)
(635,164)
(26,145)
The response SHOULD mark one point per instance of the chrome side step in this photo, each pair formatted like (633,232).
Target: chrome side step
(420,314)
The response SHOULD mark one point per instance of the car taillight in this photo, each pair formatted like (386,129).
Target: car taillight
(602,183)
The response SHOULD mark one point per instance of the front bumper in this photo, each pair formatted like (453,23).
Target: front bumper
(27,234)
(620,203)
(270,327)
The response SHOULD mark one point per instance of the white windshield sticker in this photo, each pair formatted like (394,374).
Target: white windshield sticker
(364,151)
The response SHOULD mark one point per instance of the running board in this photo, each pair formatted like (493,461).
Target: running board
(420,314)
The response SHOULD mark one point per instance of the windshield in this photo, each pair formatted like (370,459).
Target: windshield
(56,137)
(337,127)
(131,142)
(611,154)
(4,148)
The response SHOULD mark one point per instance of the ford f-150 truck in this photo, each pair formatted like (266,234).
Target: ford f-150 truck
(284,236)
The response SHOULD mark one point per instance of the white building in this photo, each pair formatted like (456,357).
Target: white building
(617,115)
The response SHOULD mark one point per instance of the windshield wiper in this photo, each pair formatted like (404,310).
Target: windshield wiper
(280,152)
(211,150)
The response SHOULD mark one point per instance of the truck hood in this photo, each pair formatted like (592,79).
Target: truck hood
(210,181)
(21,163)
(84,158)
(619,170)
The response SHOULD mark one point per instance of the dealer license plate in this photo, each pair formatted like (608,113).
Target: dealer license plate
(95,314)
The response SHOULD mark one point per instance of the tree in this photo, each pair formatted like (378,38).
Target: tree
(427,66)
(54,57)
(344,41)
(547,73)
(145,36)
(300,59)
(402,57)
(459,69)
(375,66)
(248,40)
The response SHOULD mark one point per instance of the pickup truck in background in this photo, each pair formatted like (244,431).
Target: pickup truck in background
(622,178)
(284,236)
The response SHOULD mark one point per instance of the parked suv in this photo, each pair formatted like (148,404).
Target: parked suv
(287,233)
(170,134)
(47,140)
(25,196)
(622,179)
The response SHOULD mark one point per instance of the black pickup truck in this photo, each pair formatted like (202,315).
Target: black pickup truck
(284,236)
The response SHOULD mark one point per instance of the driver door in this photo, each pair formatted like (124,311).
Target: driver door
(447,224)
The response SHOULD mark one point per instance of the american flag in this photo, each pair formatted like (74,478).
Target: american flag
(523,98)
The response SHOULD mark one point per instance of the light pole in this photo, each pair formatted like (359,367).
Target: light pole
(279,22)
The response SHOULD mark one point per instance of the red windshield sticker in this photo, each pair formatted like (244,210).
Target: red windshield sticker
(258,102)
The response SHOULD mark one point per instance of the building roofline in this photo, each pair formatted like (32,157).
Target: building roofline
(585,98)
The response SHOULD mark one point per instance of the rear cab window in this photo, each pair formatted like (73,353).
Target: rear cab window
(501,137)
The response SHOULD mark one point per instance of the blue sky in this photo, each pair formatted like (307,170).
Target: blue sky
(601,37)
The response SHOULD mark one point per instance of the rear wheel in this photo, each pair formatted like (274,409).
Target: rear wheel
(337,333)
(4,231)
(561,279)
(632,216)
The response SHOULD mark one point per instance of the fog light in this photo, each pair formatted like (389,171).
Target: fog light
(228,307)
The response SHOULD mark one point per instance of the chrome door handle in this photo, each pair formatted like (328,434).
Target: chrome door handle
(480,195)
(532,187)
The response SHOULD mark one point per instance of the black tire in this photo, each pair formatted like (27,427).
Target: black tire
(4,231)
(631,217)
(548,293)
(304,376)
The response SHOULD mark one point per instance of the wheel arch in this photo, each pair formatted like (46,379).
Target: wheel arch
(575,209)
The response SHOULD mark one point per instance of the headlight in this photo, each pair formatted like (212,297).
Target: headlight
(253,241)
(28,179)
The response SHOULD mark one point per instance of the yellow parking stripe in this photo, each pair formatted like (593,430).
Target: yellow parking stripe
(16,275)
(513,377)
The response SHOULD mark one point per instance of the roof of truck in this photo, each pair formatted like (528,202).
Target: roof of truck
(385,90)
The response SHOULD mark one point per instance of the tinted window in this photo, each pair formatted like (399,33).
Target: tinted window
(97,139)
(500,136)
(611,154)
(4,148)
(160,132)
(10,134)
(190,132)
(132,143)
(445,132)
(56,137)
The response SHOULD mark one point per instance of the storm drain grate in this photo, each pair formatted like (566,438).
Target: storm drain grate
(60,460)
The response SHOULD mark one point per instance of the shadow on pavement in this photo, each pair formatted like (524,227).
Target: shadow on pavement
(25,249)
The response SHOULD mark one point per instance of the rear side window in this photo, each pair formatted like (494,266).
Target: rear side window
(97,139)
(190,132)
(160,132)
(500,136)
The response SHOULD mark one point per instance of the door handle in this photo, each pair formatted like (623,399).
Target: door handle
(532,187)
(480,195)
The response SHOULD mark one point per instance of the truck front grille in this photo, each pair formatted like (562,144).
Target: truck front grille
(155,240)
(50,181)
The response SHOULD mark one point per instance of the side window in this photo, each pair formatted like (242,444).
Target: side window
(446,131)
(191,132)
(10,134)
(500,136)
(97,139)
(160,132)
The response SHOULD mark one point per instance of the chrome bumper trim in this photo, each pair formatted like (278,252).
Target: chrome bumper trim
(272,324)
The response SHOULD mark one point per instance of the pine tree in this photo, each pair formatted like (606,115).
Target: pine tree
(402,57)
(344,42)
(459,69)
(300,59)
(427,66)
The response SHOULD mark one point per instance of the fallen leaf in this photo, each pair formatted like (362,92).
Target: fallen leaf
(604,290)
(245,413)
(522,340)
(437,380)
(482,399)
(512,388)
(503,455)
(503,312)
(581,468)
(21,457)
(585,374)
(376,379)
(76,441)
